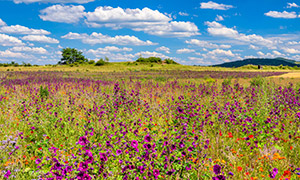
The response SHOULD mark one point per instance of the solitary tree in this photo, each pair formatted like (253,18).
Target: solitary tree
(72,55)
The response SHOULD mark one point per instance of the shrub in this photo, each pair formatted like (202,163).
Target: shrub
(170,61)
(101,62)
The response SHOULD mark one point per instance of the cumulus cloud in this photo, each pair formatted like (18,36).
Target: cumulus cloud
(53,1)
(184,50)
(18,29)
(260,53)
(62,13)
(217,29)
(206,44)
(147,20)
(284,14)
(6,40)
(2,23)
(98,38)
(197,59)
(221,52)
(291,50)
(35,50)
(219,18)
(163,48)
(113,52)
(292,5)
(253,47)
(277,53)
(41,39)
(213,5)
(10,54)
(151,54)
(109,14)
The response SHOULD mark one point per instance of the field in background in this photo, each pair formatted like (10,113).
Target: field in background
(142,122)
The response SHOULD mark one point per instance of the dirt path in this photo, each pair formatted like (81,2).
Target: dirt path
(290,75)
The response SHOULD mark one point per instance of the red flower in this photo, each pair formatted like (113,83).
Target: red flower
(251,136)
(239,168)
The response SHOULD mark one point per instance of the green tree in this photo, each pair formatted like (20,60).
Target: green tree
(72,55)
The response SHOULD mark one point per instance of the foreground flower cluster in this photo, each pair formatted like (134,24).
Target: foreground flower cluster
(76,126)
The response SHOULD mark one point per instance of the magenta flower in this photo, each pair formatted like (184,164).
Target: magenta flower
(155,173)
(274,173)
(38,161)
(147,138)
(134,144)
(83,166)
(118,152)
(83,140)
(8,173)
(103,157)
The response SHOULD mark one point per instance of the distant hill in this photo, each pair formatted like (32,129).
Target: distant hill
(260,61)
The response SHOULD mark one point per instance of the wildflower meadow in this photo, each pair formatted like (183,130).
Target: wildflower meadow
(148,125)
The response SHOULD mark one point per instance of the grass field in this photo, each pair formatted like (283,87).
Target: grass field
(124,121)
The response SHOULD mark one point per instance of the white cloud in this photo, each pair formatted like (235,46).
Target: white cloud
(183,14)
(98,38)
(206,44)
(292,5)
(217,29)
(219,18)
(41,39)
(253,47)
(109,14)
(184,50)
(10,54)
(163,48)
(293,43)
(284,14)
(18,29)
(277,53)
(6,40)
(151,54)
(260,53)
(53,1)
(61,13)
(213,5)
(2,23)
(35,50)
(147,20)
(221,52)
(291,50)
(197,59)
(110,51)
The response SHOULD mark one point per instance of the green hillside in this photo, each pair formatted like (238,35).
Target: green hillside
(260,61)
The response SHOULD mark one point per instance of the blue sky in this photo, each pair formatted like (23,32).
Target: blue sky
(193,32)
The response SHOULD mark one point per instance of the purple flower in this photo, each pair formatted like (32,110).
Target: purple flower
(147,146)
(83,166)
(7,174)
(219,177)
(134,144)
(118,152)
(83,140)
(147,138)
(217,169)
(274,173)
(190,149)
(103,157)
(173,147)
(38,161)
(155,173)
(84,177)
